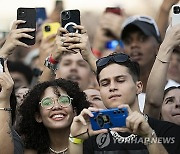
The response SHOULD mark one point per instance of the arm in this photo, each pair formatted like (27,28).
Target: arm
(163,16)
(81,41)
(158,76)
(6,139)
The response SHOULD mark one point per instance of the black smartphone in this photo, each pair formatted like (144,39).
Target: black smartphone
(29,15)
(41,16)
(70,18)
(2,65)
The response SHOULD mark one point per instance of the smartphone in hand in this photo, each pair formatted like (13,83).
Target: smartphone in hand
(70,18)
(175,15)
(28,15)
(50,28)
(109,118)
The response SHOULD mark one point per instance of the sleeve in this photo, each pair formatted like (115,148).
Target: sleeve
(167,134)
(18,145)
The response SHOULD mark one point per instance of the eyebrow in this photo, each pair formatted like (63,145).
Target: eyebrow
(171,97)
(119,76)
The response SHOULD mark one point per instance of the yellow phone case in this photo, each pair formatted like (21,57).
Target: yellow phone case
(50,28)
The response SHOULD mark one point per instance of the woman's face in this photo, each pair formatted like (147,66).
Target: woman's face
(57,117)
(171,107)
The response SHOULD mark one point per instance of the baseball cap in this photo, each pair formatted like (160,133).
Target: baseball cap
(145,23)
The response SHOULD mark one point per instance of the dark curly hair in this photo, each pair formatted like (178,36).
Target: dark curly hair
(35,134)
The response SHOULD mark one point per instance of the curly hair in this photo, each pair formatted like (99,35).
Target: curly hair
(35,135)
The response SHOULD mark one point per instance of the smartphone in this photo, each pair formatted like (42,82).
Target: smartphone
(2,65)
(70,18)
(41,16)
(115,10)
(109,118)
(29,15)
(175,15)
(50,28)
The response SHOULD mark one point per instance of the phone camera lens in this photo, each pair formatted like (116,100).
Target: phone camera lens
(176,10)
(47,28)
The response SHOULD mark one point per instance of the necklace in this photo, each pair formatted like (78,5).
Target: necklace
(58,152)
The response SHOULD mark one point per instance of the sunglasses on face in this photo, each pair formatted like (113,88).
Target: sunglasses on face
(63,101)
(118,58)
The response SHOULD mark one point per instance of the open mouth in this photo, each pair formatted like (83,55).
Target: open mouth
(57,117)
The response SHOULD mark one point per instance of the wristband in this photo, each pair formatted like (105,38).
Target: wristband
(75,140)
(6,109)
(53,61)
(163,61)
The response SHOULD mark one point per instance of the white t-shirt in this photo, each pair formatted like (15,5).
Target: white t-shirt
(141,96)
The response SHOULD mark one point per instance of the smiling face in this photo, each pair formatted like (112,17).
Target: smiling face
(57,117)
(171,107)
(118,87)
(74,68)
(141,48)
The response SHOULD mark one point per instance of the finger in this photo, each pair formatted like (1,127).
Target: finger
(61,30)
(73,35)
(25,30)
(136,125)
(16,23)
(93,109)
(76,46)
(22,44)
(122,129)
(81,28)
(24,35)
(86,112)
(73,40)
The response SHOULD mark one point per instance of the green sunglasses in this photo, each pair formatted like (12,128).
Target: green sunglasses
(63,101)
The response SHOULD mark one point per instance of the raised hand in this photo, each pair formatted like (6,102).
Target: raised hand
(13,37)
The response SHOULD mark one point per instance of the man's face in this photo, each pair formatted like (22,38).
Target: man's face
(141,48)
(174,68)
(117,86)
(73,67)
(171,107)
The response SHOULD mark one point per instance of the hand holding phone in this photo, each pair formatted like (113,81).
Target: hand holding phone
(28,15)
(109,118)
(70,18)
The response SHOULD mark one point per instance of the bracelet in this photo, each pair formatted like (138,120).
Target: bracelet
(53,61)
(162,60)
(75,140)
(150,140)
(6,109)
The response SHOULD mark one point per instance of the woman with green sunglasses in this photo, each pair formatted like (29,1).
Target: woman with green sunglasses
(47,114)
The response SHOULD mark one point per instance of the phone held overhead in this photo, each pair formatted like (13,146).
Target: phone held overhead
(70,18)
(28,15)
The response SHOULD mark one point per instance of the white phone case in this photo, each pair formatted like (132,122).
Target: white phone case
(175,15)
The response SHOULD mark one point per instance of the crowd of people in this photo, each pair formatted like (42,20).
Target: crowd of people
(49,91)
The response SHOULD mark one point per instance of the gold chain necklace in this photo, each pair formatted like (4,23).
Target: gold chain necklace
(58,152)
